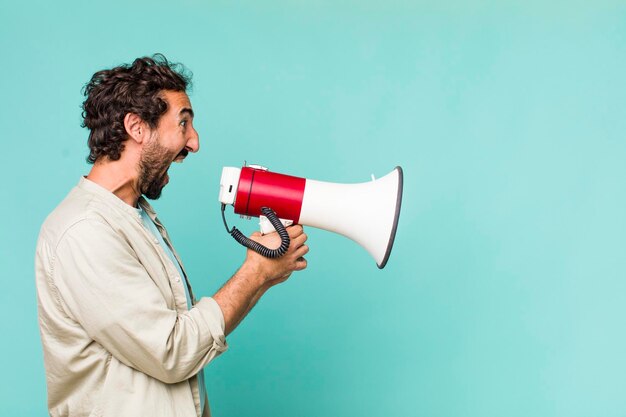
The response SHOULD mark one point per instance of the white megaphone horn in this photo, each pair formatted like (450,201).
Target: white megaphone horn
(366,212)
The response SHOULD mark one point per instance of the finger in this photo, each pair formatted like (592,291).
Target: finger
(295,230)
(301,251)
(301,264)
(299,240)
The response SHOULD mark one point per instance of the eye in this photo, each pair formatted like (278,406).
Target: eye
(183,122)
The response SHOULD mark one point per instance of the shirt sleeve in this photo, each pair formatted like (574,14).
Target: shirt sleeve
(109,293)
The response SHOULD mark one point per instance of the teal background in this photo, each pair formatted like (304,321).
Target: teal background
(505,294)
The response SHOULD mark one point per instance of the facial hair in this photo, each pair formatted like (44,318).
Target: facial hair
(153,165)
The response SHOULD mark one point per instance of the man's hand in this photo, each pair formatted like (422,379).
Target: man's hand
(275,271)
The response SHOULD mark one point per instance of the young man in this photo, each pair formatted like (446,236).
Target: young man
(121,330)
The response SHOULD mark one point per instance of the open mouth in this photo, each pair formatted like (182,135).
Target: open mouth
(181,156)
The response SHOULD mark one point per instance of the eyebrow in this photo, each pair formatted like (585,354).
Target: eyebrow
(186,110)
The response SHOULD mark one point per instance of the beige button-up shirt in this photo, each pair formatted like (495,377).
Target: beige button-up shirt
(118,337)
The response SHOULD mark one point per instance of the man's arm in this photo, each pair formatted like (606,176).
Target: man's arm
(257,274)
(101,284)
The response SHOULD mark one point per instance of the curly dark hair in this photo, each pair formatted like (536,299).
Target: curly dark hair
(134,88)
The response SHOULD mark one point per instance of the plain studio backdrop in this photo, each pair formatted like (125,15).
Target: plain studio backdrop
(505,294)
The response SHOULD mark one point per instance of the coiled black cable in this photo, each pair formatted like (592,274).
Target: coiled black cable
(256,246)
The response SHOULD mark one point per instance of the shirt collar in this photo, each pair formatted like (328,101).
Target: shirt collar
(143,203)
(110,198)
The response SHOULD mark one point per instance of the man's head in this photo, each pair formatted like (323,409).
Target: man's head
(171,141)
(145,102)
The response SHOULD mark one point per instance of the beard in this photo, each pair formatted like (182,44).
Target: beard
(153,165)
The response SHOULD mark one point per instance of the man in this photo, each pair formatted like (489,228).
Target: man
(121,330)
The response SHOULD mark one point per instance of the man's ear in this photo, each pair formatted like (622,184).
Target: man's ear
(136,128)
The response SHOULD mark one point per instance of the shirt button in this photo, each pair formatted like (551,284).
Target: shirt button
(177,279)
(156,241)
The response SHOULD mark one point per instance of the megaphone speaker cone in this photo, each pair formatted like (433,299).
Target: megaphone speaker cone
(367,213)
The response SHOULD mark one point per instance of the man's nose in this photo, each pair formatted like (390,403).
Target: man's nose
(193,143)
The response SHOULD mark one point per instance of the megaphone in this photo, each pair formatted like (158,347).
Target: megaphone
(366,212)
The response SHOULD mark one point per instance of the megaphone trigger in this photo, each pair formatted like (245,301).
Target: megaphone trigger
(266,227)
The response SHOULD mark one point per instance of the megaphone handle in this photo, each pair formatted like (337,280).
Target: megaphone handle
(256,246)
(265,226)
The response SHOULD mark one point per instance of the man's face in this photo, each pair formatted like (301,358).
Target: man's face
(171,141)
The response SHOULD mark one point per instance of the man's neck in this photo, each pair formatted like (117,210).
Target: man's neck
(119,177)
